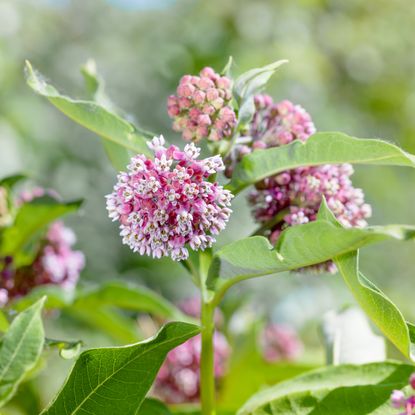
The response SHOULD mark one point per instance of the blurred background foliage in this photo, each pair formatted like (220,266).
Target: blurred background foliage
(351,66)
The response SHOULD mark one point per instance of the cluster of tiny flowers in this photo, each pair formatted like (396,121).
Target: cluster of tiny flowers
(280,342)
(166,203)
(178,380)
(201,108)
(294,196)
(399,401)
(56,263)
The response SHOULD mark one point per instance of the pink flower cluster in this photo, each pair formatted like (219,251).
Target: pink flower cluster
(166,203)
(178,380)
(294,196)
(280,342)
(399,401)
(56,263)
(201,108)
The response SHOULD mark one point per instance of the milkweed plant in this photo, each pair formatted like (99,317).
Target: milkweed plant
(173,200)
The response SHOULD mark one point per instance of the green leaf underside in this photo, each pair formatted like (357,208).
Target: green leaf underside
(297,247)
(373,301)
(115,380)
(320,148)
(254,80)
(377,305)
(31,218)
(94,117)
(20,350)
(341,390)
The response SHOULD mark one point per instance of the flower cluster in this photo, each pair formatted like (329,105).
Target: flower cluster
(279,342)
(166,203)
(294,196)
(178,380)
(399,401)
(201,108)
(56,263)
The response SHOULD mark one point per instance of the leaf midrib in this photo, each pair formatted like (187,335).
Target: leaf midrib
(79,406)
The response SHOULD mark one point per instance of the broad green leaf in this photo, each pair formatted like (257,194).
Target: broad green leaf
(30,220)
(339,390)
(57,297)
(108,320)
(115,380)
(297,247)
(377,305)
(20,349)
(320,148)
(95,85)
(90,115)
(253,81)
(152,406)
(130,297)
(373,301)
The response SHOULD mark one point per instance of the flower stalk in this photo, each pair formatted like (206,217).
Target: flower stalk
(207,364)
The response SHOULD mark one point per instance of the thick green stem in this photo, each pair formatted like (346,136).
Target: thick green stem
(207,369)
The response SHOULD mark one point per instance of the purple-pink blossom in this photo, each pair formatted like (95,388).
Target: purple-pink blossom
(167,203)
(201,108)
(279,342)
(400,401)
(293,197)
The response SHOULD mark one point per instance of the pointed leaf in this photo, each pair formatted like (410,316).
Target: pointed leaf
(377,305)
(20,349)
(320,148)
(341,390)
(90,115)
(115,380)
(253,81)
(297,247)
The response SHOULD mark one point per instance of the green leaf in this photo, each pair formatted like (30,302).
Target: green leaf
(130,297)
(373,301)
(320,148)
(95,85)
(377,305)
(90,115)
(340,390)
(297,247)
(115,380)
(10,181)
(20,349)
(153,407)
(253,81)
(227,70)
(32,218)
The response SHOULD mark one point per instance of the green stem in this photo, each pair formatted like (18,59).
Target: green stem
(207,370)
